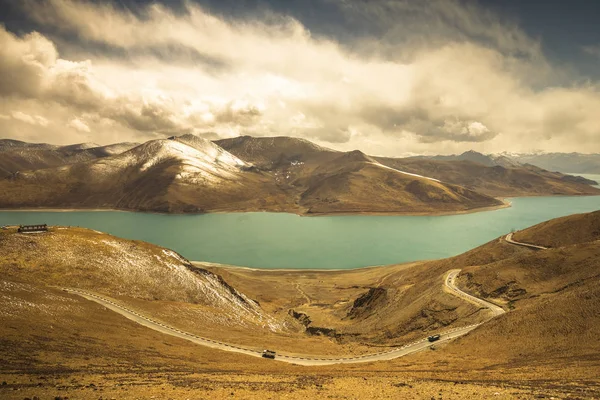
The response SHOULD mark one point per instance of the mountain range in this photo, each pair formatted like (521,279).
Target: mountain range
(191,174)
(571,163)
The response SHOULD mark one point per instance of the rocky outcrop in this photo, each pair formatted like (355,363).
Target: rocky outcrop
(304,319)
(365,304)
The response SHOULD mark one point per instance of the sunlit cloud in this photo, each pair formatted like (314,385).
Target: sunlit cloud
(79,125)
(29,119)
(468,81)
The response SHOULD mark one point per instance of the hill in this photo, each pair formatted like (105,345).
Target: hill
(546,339)
(189,174)
(492,175)
(84,259)
(159,175)
(552,296)
(565,231)
(543,346)
(489,160)
(10,144)
(271,152)
(22,156)
(497,180)
(568,163)
(327,181)
(355,182)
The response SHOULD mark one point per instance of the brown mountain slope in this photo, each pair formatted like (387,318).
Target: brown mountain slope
(355,182)
(495,181)
(27,156)
(11,144)
(294,157)
(57,345)
(160,175)
(149,278)
(573,229)
(269,152)
(385,306)
(547,339)
(190,174)
(85,259)
(553,296)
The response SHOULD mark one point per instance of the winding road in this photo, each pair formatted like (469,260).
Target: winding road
(510,240)
(449,286)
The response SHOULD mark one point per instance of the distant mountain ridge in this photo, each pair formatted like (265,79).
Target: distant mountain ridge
(191,174)
(563,162)
(488,160)
(569,163)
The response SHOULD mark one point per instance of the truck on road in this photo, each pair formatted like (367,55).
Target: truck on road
(269,354)
(433,338)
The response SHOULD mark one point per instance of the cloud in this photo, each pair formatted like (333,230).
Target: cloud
(78,125)
(592,50)
(29,119)
(23,63)
(421,77)
(417,24)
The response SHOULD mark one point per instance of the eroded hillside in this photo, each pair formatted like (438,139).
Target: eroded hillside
(90,260)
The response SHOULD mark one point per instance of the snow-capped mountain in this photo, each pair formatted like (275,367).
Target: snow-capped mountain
(191,174)
(574,163)
(172,175)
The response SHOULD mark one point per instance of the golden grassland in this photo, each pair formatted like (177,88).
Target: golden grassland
(57,344)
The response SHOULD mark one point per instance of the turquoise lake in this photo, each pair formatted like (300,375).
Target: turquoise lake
(276,240)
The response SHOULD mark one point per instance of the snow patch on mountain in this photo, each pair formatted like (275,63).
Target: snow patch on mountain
(404,172)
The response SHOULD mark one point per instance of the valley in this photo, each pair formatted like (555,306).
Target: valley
(298,200)
(544,297)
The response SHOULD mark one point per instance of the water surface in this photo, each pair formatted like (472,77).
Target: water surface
(277,240)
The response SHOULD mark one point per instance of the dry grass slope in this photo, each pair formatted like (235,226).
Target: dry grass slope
(544,346)
(573,229)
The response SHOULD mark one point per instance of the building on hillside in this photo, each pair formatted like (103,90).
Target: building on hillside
(33,228)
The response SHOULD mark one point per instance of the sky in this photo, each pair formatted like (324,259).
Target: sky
(388,77)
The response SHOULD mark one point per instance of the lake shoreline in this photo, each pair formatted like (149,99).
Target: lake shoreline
(208,264)
(325,214)
(282,241)
(506,203)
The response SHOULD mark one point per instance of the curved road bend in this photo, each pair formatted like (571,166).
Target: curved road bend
(450,286)
(301,359)
(510,240)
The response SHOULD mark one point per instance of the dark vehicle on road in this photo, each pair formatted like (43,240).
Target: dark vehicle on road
(269,354)
(433,338)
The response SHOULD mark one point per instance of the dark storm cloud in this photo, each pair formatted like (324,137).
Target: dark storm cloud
(428,127)
(147,118)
